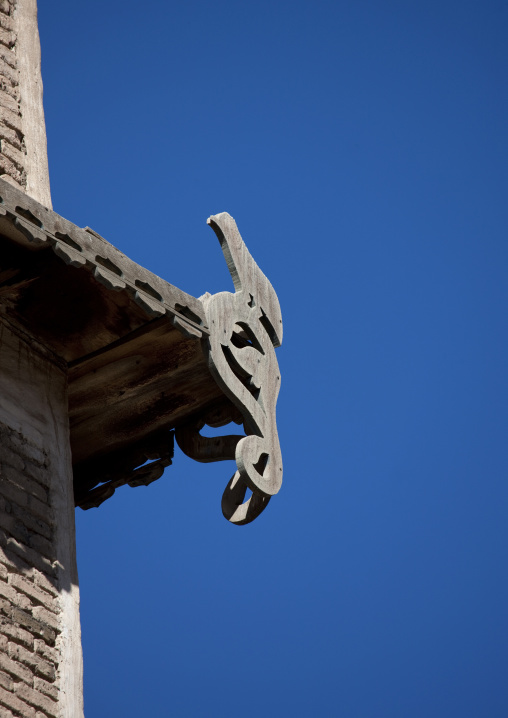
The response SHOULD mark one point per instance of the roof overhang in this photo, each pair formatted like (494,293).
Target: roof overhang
(142,356)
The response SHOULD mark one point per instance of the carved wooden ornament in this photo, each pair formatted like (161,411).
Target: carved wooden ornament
(244,329)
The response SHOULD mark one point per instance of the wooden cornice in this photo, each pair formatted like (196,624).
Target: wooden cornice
(145,358)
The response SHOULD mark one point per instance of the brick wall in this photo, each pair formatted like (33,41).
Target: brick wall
(29,603)
(40,642)
(23,151)
(12,141)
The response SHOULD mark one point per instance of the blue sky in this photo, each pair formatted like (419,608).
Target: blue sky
(362,148)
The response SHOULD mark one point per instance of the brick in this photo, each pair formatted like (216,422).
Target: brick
(42,545)
(42,667)
(15,669)
(13,562)
(10,118)
(7,178)
(5,681)
(5,7)
(8,72)
(47,652)
(33,592)
(7,37)
(32,522)
(45,616)
(5,607)
(9,700)
(39,473)
(20,601)
(7,166)
(9,56)
(15,528)
(10,135)
(4,573)
(17,634)
(36,699)
(8,592)
(27,621)
(7,101)
(6,21)
(41,580)
(40,509)
(30,556)
(48,689)
(7,87)
(12,493)
(3,642)
(28,450)
(11,458)
(18,477)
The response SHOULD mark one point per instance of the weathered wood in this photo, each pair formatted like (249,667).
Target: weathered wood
(96,480)
(35,227)
(244,329)
(135,367)
(205,449)
(129,339)
(234,506)
(157,379)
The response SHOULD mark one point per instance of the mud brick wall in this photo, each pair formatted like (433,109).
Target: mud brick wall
(40,643)
(29,602)
(23,151)
(12,141)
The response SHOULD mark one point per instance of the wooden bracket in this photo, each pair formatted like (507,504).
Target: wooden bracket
(244,329)
(97,480)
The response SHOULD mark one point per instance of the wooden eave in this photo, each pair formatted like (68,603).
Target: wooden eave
(129,341)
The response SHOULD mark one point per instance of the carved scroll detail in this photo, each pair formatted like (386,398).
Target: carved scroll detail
(244,329)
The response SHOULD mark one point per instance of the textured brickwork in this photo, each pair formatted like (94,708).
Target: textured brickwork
(12,141)
(23,151)
(29,597)
(40,642)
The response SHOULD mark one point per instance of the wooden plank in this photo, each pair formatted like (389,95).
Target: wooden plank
(31,225)
(158,379)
